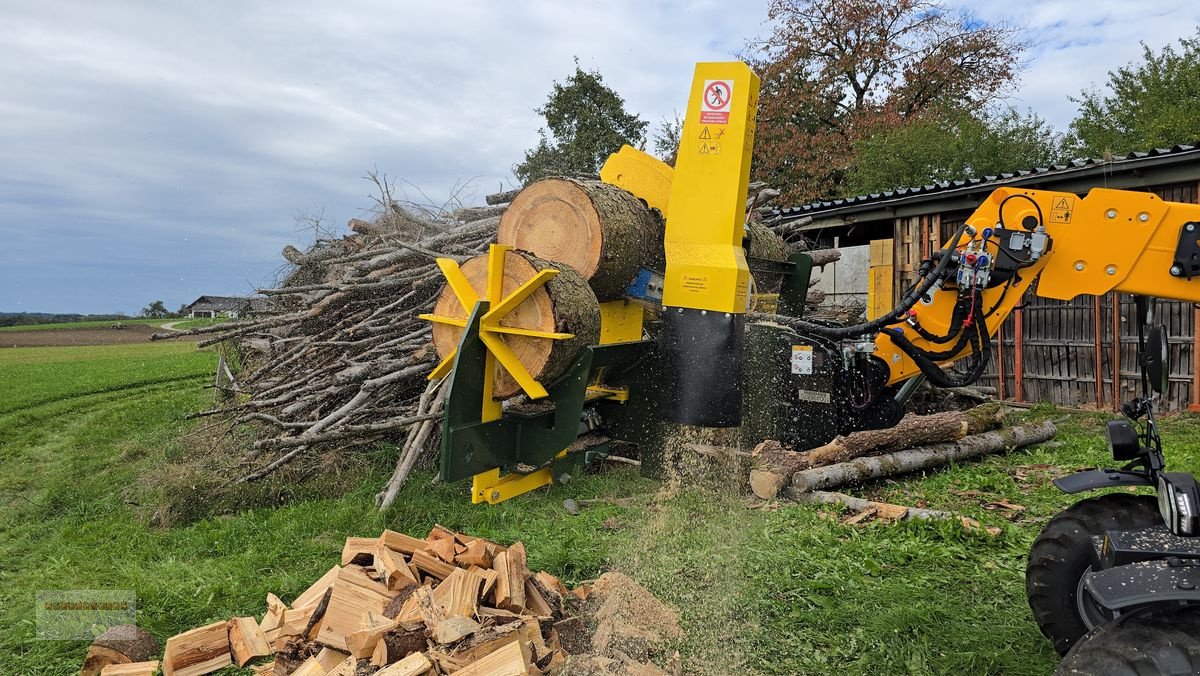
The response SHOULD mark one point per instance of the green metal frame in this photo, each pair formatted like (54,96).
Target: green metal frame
(471,446)
(795,274)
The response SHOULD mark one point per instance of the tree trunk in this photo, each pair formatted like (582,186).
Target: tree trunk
(603,232)
(122,644)
(774,465)
(764,243)
(863,469)
(564,304)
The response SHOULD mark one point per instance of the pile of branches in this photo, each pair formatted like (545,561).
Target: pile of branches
(343,359)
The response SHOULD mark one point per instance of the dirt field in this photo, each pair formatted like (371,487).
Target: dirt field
(132,333)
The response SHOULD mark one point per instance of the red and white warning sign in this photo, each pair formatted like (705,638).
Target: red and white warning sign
(715,104)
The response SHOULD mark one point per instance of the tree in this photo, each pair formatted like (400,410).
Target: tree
(667,137)
(835,72)
(155,310)
(943,145)
(586,123)
(1153,103)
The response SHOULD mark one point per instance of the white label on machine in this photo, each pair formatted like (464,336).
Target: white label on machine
(802,360)
(815,397)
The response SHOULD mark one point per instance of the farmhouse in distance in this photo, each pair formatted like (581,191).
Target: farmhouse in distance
(233,307)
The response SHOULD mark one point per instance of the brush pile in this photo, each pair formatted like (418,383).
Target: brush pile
(342,360)
(448,604)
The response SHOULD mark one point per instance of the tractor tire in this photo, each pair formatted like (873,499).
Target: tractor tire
(1062,554)
(1160,639)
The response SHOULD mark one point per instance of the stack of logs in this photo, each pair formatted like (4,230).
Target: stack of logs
(343,359)
(918,442)
(395,606)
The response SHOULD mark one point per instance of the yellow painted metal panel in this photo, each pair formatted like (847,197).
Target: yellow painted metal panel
(706,265)
(642,174)
(620,322)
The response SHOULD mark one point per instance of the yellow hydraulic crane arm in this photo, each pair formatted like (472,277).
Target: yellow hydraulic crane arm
(1109,240)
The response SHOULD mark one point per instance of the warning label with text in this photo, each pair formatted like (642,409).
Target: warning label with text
(716,102)
(1061,209)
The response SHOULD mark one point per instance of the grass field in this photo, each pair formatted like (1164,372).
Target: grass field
(780,589)
(99,324)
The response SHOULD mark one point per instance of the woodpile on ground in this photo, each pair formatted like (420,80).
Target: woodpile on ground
(397,605)
(917,443)
(342,360)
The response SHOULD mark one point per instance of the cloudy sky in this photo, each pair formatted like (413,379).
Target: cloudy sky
(161,150)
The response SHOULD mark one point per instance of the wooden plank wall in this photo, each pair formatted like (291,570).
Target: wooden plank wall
(1063,347)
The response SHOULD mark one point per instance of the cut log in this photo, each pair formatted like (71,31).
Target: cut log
(122,644)
(329,658)
(863,469)
(509,660)
(510,583)
(458,594)
(443,548)
(823,257)
(310,667)
(202,650)
(355,595)
(415,664)
(475,555)
(362,643)
(393,569)
(899,512)
(564,304)
(773,465)
(488,640)
(764,243)
(428,563)
(399,542)
(247,641)
(398,644)
(316,592)
(359,551)
(148,668)
(603,232)
(454,629)
(347,667)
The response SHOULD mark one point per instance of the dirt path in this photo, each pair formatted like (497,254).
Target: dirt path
(170,326)
(131,333)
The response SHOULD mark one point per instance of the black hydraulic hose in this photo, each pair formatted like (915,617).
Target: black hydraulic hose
(927,361)
(897,313)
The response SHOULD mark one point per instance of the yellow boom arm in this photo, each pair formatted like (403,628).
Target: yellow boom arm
(1110,240)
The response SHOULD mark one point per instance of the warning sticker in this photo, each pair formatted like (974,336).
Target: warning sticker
(802,359)
(695,282)
(1061,209)
(705,134)
(715,103)
(710,148)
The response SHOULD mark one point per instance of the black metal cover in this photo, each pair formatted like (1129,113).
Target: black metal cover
(702,353)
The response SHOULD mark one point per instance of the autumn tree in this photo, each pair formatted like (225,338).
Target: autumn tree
(1151,103)
(835,72)
(586,121)
(943,145)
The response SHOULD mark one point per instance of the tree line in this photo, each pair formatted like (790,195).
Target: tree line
(862,96)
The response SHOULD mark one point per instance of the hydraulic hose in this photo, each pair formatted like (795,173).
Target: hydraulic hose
(896,314)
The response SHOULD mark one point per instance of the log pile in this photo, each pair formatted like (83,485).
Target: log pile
(342,360)
(916,443)
(450,603)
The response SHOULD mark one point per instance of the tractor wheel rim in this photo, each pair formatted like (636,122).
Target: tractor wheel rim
(1092,614)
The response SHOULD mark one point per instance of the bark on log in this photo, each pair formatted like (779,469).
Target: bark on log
(122,644)
(764,243)
(863,469)
(823,257)
(502,197)
(564,304)
(603,232)
(774,465)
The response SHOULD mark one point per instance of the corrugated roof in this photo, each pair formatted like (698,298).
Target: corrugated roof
(1021,176)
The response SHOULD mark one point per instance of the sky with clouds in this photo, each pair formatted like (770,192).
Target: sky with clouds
(153,150)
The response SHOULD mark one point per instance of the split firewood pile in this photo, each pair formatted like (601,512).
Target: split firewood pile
(917,443)
(343,359)
(401,606)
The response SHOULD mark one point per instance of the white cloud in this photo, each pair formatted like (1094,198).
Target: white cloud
(161,149)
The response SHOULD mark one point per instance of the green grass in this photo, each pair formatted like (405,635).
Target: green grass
(784,589)
(95,324)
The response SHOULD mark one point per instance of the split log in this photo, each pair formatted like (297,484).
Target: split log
(147,668)
(202,650)
(509,660)
(912,460)
(247,641)
(774,465)
(603,232)
(564,304)
(122,644)
(354,595)
(415,664)
(859,504)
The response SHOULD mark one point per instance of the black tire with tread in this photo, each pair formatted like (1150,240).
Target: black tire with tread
(1062,553)
(1161,639)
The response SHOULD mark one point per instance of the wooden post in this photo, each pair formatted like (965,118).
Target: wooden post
(1098,351)
(1194,405)
(1000,384)
(1019,355)
(1116,350)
